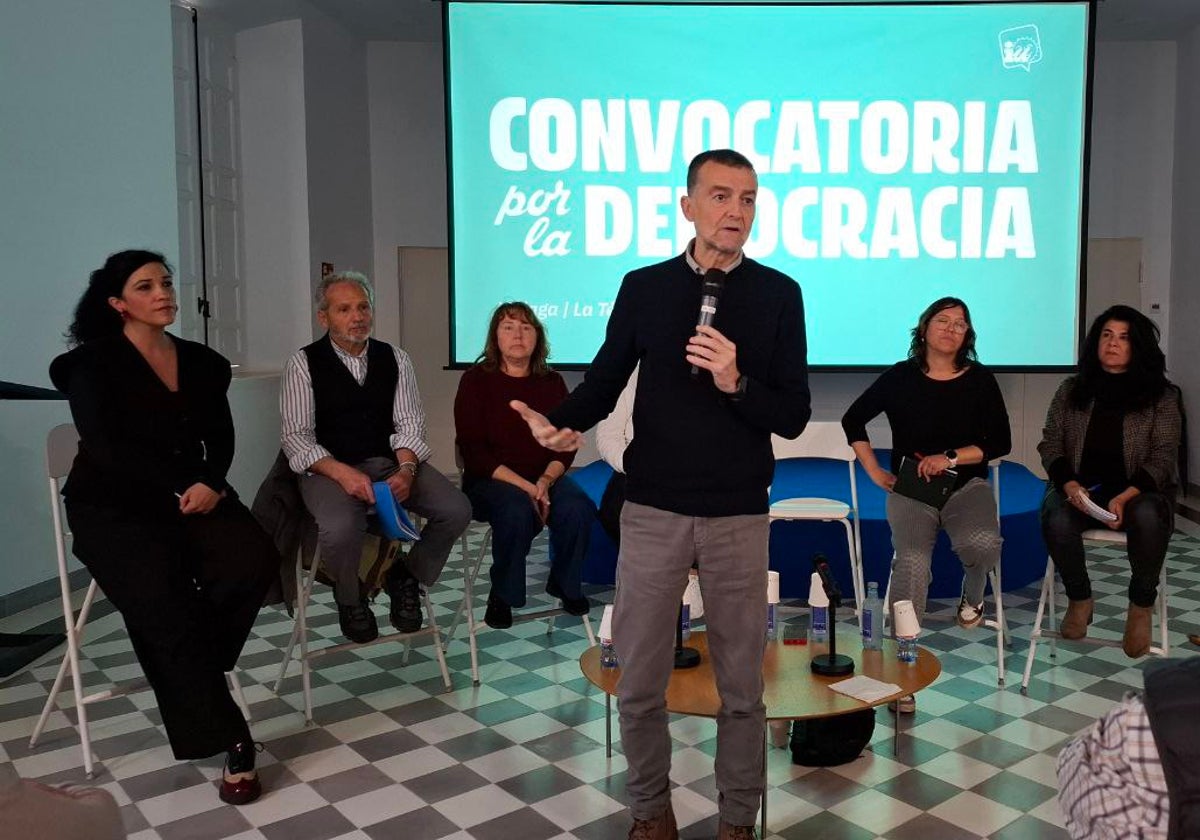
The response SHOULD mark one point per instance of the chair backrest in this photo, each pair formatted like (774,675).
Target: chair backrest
(61,445)
(824,439)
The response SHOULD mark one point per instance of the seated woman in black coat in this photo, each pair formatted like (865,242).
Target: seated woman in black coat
(153,518)
(1112,437)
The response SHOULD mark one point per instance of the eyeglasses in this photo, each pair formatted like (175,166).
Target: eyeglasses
(944,323)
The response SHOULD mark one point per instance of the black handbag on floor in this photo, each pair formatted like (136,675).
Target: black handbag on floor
(829,741)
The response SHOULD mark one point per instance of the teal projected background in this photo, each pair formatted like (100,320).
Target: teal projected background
(903,153)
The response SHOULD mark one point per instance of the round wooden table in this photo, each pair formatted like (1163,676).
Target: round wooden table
(791,691)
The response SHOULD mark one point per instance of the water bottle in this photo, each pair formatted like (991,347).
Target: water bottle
(906,649)
(608,654)
(685,622)
(872,619)
(818,611)
(772,627)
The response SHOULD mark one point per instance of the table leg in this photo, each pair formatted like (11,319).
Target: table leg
(608,724)
(766,746)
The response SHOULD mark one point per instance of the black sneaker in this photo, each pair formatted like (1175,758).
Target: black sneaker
(358,622)
(498,615)
(404,590)
(571,606)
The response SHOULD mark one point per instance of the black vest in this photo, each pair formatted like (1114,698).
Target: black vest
(1172,699)
(354,422)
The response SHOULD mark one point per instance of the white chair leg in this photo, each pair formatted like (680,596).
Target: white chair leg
(235,688)
(587,628)
(855,583)
(999,624)
(303,592)
(1045,599)
(438,649)
(74,630)
(1162,610)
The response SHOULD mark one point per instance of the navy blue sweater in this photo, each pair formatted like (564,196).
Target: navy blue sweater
(695,451)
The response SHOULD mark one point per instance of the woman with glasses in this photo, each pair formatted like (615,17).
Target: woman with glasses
(946,413)
(1112,437)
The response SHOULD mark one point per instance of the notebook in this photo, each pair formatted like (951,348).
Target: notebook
(933,492)
(393,519)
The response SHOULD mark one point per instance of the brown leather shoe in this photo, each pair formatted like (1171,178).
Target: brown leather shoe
(1136,641)
(736,832)
(659,828)
(1079,616)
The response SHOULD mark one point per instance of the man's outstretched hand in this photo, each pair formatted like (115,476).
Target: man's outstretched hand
(554,439)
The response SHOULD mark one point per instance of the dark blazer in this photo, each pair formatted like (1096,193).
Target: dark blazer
(138,440)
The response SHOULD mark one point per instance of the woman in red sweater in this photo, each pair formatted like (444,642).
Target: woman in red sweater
(514,484)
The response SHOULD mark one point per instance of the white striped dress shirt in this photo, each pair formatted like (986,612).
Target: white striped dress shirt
(298,416)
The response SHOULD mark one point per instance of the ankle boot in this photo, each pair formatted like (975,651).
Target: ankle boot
(1079,616)
(1137,631)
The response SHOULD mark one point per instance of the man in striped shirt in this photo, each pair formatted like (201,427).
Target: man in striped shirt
(351,416)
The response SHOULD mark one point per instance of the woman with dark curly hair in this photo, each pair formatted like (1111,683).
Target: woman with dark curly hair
(514,483)
(946,413)
(1112,435)
(154,519)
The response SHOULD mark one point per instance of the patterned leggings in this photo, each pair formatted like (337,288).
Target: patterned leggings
(969,517)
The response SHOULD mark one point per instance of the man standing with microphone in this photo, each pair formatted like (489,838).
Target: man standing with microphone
(711,390)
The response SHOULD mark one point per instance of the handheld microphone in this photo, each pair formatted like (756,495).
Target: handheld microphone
(828,581)
(710,294)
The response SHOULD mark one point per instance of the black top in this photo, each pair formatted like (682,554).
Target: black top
(140,441)
(929,416)
(695,451)
(354,422)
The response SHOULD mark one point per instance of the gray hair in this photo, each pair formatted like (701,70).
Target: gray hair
(357,278)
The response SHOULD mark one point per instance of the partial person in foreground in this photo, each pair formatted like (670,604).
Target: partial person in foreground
(1133,774)
(1112,437)
(516,485)
(351,416)
(153,517)
(708,398)
(946,412)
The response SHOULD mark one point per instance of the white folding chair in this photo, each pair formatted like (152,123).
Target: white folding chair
(825,440)
(305,577)
(466,607)
(999,623)
(1046,604)
(61,445)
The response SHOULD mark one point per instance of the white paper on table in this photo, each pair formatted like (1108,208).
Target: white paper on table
(864,688)
(1095,511)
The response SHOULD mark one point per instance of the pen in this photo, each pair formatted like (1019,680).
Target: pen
(1093,488)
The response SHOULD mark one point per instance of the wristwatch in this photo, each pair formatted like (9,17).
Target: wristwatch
(952,456)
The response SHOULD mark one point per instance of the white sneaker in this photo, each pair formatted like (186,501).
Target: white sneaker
(969,615)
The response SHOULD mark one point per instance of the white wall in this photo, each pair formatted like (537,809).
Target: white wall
(1184,360)
(339,158)
(408,164)
(275,189)
(1133,153)
(87,167)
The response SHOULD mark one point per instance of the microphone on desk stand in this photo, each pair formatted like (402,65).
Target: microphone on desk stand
(832,664)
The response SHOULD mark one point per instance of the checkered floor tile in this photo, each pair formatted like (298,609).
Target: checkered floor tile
(394,755)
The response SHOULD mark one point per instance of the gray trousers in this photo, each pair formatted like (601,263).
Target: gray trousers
(342,522)
(657,550)
(969,517)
